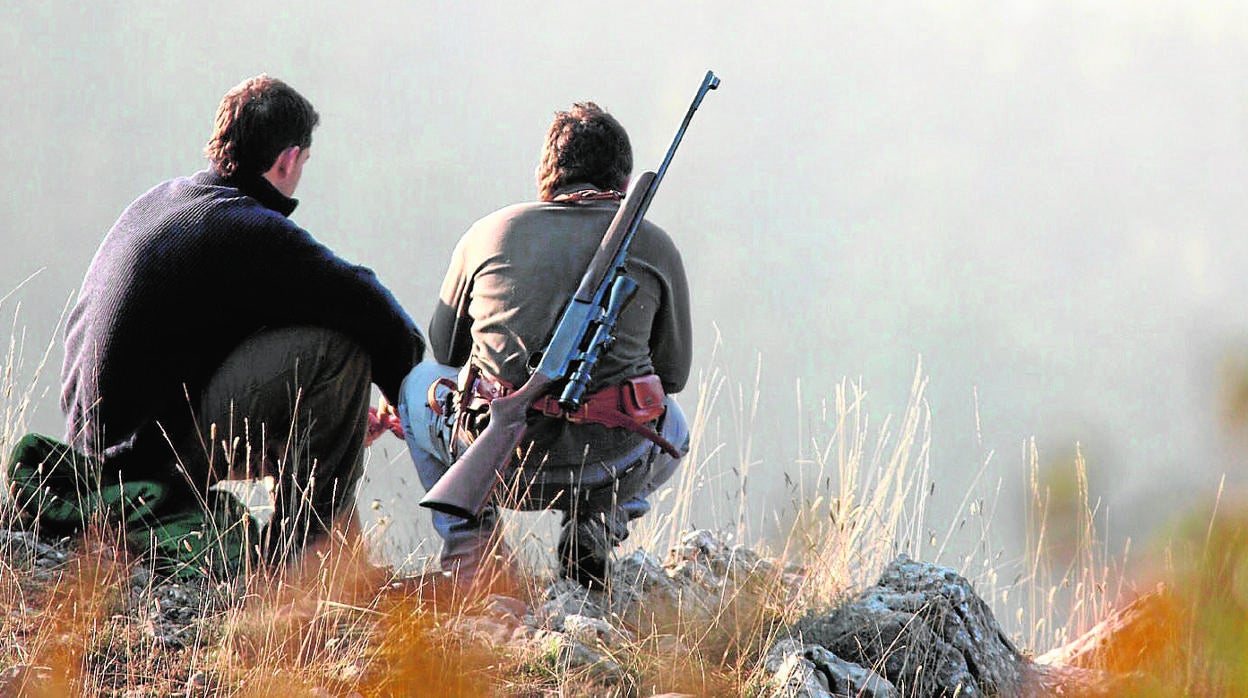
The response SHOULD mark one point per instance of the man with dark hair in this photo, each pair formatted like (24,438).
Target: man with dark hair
(213,338)
(584,144)
(509,277)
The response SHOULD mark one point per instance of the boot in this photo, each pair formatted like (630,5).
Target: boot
(584,551)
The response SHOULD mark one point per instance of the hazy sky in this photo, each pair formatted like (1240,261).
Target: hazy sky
(1044,200)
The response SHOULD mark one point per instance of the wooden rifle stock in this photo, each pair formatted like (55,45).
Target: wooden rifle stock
(467,485)
(583,333)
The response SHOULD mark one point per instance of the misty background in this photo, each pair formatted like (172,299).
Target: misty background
(1042,200)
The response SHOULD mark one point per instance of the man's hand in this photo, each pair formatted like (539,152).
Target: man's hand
(381,419)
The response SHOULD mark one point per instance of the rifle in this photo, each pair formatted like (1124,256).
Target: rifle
(583,333)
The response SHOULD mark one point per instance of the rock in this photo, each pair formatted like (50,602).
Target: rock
(704,555)
(523,633)
(848,679)
(810,671)
(26,551)
(796,677)
(923,628)
(728,593)
(695,545)
(639,576)
(565,653)
(502,616)
(499,605)
(659,599)
(174,612)
(592,630)
(141,579)
(566,598)
(493,630)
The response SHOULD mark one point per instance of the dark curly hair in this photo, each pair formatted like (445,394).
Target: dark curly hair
(256,121)
(584,144)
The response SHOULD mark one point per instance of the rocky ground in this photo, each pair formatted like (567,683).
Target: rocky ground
(710,619)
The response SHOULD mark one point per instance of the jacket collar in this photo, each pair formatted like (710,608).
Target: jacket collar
(574,188)
(253,185)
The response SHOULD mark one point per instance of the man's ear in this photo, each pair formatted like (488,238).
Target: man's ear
(286,160)
(283,169)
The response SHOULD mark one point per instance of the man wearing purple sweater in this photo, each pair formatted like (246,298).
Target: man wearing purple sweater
(213,338)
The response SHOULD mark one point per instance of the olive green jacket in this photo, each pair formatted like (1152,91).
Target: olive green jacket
(511,275)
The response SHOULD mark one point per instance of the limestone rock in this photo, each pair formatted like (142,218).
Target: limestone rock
(923,628)
(565,653)
(591,631)
(796,677)
(502,606)
(565,598)
(490,629)
(810,671)
(26,551)
(690,587)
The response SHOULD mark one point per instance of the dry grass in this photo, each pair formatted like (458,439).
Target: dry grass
(337,626)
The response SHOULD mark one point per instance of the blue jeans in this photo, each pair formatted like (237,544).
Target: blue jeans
(617,489)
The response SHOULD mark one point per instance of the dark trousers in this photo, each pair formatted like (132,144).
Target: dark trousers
(290,404)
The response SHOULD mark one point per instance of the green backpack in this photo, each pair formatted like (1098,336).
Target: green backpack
(62,492)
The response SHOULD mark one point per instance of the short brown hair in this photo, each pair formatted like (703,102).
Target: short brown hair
(584,144)
(258,119)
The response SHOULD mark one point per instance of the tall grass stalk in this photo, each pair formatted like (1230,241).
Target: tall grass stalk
(1069,585)
(18,388)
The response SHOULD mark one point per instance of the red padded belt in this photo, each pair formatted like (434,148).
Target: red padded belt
(629,405)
